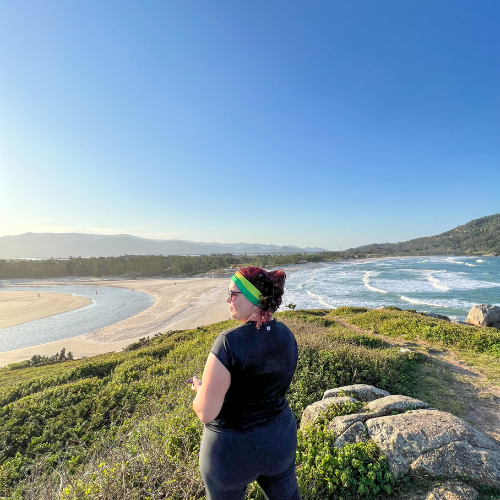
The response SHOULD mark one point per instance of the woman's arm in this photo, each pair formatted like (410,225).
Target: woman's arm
(210,394)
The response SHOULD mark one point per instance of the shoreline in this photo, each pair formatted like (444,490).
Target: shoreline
(181,303)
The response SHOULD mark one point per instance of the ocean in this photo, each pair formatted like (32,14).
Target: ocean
(445,285)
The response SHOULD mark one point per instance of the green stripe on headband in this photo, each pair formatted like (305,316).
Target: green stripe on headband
(248,290)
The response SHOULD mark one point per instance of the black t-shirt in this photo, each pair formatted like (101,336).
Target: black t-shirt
(262,363)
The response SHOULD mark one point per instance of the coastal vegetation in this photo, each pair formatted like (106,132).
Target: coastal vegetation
(148,265)
(121,425)
(393,322)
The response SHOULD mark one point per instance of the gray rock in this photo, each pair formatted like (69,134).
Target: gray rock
(431,441)
(362,392)
(354,434)
(453,491)
(376,408)
(310,414)
(484,315)
(390,404)
(460,459)
(340,424)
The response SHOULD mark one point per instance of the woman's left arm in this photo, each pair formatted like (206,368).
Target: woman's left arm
(210,394)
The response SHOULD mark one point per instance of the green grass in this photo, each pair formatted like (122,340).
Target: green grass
(414,326)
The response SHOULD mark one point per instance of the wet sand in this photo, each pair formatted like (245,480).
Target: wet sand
(21,307)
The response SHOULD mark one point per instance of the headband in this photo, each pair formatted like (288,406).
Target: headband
(246,288)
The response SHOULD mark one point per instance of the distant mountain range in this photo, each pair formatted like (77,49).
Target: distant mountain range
(479,236)
(64,245)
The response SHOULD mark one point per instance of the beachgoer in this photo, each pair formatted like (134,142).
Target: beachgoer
(250,432)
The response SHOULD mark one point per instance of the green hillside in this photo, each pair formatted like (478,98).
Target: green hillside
(477,237)
(121,425)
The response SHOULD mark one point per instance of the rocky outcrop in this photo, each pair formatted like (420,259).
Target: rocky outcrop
(362,392)
(311,413)
(376,408)
(484,315)
(356,433)
(394,404)
(417,440)
(436,444)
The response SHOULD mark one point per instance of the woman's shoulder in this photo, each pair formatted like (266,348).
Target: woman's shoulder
(235,330)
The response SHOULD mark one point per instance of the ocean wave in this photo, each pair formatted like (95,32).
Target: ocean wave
(451,260)
(479,260)
(366,281)
(471,265)
(320,299)
(437,284)
(444,304)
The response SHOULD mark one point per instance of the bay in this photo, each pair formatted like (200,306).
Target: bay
(443,285)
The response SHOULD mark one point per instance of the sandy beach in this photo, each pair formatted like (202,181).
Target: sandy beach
(180,304)
(21,307)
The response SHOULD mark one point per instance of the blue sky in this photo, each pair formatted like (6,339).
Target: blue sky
(325,123)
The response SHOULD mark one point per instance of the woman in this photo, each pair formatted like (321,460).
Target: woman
(250,432)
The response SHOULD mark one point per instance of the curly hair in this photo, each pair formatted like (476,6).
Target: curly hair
(271,285)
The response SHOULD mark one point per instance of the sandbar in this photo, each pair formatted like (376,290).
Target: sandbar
(21,307)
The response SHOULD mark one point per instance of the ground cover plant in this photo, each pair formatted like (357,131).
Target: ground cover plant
(121,425)
(393,322)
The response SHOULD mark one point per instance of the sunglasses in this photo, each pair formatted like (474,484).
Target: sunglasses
(230,294)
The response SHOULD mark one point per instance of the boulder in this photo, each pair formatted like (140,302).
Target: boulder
(311,413)
(376,408)
(453,491)
(340,424)
(394,404)
(484,315)
(362,392)
(354,434)
(436,444)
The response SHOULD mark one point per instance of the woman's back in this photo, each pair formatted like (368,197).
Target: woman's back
(261,362)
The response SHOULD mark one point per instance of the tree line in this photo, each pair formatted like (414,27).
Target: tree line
(148,265)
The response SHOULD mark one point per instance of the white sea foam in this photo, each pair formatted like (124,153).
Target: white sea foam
(471,265)
(320,299)
(479,260)
(366,281)
(451,260)
(437,284)
(445,304)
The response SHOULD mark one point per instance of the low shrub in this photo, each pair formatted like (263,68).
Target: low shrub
(121,425)
(325,472)
(415,326)
(319,370)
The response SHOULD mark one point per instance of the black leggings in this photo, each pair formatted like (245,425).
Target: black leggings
(230,460)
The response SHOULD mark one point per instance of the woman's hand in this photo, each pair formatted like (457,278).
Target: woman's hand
(196,384)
